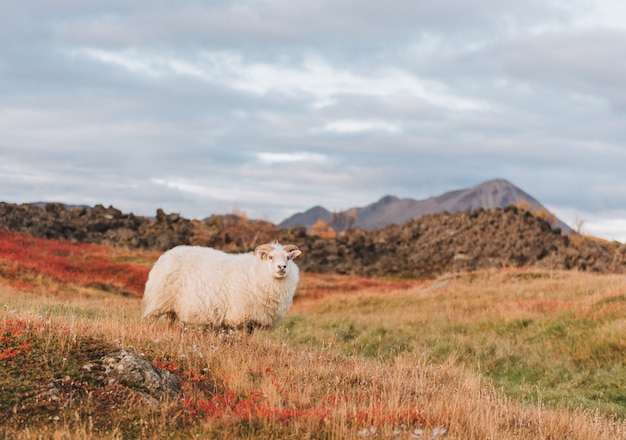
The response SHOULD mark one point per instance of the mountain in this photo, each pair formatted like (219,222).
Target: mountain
(497,193)
(308,217)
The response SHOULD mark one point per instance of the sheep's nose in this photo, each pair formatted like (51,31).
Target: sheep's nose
(282,266)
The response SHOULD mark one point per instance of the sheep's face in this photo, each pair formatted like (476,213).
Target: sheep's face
(277,258)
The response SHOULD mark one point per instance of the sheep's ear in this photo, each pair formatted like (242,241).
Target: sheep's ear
(293,254)
(262,251)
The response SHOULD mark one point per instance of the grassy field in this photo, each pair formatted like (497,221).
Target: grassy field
(508,354)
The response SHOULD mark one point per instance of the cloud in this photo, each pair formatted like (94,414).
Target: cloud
(355,126)
(604,14)
(272,158)
(131,61)
(315,77)
(610,228)
(278,106)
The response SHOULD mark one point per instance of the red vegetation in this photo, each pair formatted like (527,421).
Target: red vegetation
(10,345)
(226,404)
(204,399)
(29,263)
(315,286)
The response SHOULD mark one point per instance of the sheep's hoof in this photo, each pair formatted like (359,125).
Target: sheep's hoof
(252,326)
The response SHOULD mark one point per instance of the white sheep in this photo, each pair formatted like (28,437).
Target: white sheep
(205,286)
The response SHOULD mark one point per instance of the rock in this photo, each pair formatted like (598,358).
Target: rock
(135,372)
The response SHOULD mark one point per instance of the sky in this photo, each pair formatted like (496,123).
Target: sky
(271,107)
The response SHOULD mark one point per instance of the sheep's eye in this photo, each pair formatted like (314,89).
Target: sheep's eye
(270,257)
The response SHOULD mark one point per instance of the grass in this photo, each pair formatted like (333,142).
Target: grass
(510,354)
(555,338)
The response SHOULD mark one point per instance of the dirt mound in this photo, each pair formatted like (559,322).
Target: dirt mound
(430,245)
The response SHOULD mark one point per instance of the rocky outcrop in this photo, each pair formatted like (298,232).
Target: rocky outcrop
(425,247)
(97,225)
(480,239)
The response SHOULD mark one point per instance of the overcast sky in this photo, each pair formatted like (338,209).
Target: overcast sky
(274,106)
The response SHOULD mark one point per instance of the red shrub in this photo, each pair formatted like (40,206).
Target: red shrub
(10,344)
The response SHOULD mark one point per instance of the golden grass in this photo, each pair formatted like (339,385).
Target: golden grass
(554,335)
(347,363)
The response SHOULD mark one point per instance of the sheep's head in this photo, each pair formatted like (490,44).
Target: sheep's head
(277,257)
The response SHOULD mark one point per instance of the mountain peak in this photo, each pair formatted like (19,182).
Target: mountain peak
(495,193)
(307,218)
(388,199)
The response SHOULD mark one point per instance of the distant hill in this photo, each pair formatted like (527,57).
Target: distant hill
(497,193)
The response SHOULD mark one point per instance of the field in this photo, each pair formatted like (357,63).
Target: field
(507,354)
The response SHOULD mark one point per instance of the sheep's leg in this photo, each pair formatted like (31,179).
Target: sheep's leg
(252,326)
(171,318)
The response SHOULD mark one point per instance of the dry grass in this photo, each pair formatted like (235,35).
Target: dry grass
(489,355)
(554,337)
(267,386)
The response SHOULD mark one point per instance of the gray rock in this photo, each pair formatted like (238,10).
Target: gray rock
(135,372)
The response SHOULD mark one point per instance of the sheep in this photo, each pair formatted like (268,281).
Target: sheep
(207,287)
